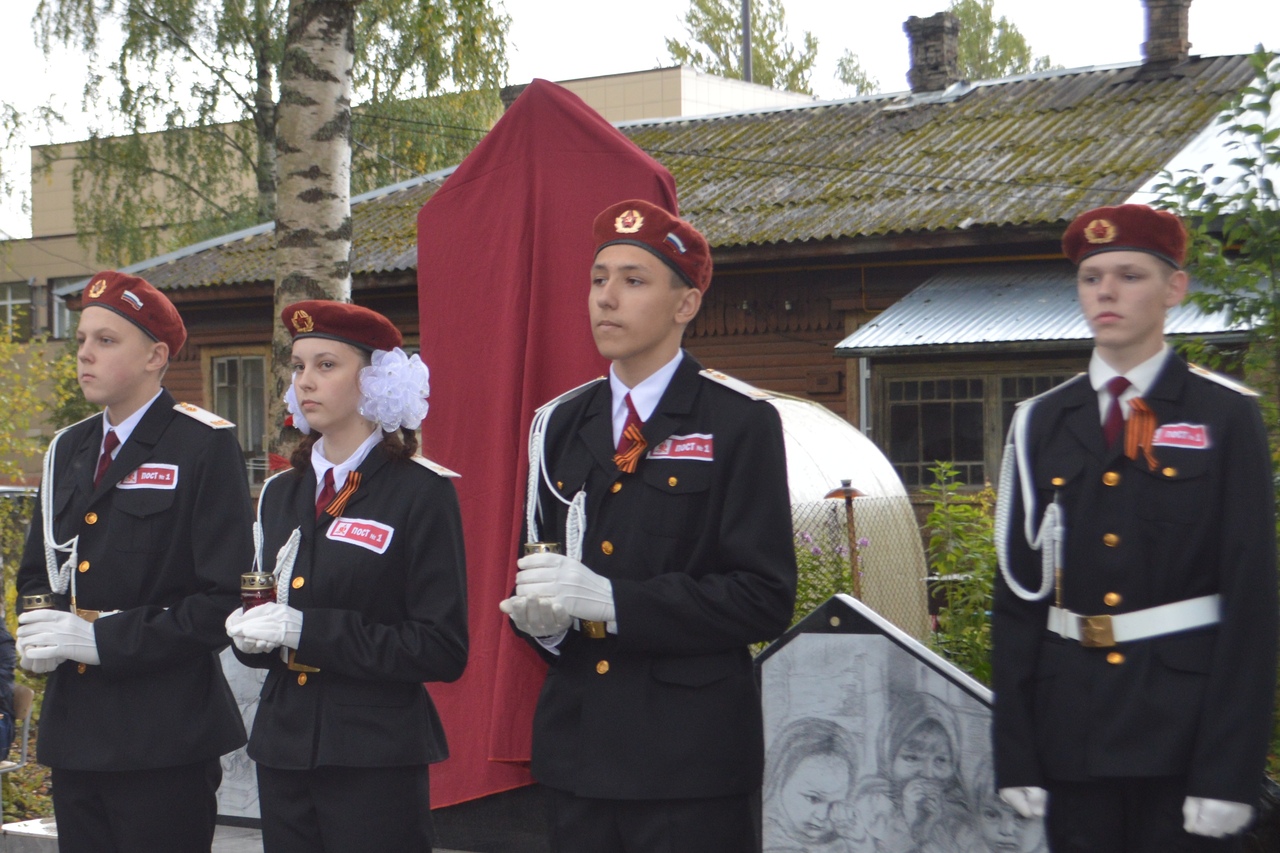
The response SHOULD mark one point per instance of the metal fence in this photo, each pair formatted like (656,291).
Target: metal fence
(873,551)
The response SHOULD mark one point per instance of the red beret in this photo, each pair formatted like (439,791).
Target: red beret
(1126,228)
(137,301)
(675,242)
(341,321)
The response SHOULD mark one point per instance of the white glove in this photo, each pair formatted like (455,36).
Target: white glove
(1028,800)
(57,636)
(1215,818)
(537,617)
(265,628)
(38,667)
(581,592)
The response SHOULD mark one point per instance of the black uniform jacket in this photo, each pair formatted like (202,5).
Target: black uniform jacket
(1195,704)
(376,624)
(170,559)
(702,563)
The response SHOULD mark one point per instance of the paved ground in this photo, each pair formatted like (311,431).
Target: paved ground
(39,837)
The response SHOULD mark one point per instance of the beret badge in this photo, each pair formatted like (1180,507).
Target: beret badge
(98,288)
(628,222)
(302,322)
(1100,231)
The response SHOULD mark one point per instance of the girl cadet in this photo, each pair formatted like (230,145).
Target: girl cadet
(365,541)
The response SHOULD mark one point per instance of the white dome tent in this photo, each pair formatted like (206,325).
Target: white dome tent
(823,449)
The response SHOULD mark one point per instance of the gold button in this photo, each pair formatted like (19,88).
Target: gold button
(607,547)
(1058,481)
(80,668)
(1111,599)
(1170,472)
(302,678)
(1111,540)
(1115,658)
(91,518)
(298,582)
(84,566)
(1111,478)
(671,481)
(602,667)
(616,487)
(559,484)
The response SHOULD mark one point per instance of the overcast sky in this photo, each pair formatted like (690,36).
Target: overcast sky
(566,39)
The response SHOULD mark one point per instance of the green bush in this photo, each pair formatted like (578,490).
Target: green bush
(962,559)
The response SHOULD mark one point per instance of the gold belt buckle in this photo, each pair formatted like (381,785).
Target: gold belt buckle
(299,667)
(594,630)
(1096,633)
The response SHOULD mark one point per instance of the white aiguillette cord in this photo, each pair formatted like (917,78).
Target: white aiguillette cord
(1052,533)
(285,557)
(576,521)
(59,576)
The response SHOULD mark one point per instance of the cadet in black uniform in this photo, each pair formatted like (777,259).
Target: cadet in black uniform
(365,539)
(648,730)
(1135,660)
(141,531)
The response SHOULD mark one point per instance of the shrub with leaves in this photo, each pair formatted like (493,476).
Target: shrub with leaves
(962,559)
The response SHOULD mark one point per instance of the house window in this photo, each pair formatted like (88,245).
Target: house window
(239,395)
(15,309)
(961,419)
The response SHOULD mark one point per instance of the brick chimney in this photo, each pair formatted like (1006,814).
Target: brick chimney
(935,51)
(1166,31)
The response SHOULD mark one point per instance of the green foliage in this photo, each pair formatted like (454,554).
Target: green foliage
(715,44)
(1234,222)
(210,68)
(962,557)
(822,564)
(850,72)
(989,47)
(67,402)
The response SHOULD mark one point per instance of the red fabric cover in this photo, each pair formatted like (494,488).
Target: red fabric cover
(340,321)
(675,242)
(1126,228)
(136,300)
(504,258)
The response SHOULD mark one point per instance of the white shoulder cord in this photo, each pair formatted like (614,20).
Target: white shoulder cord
(576,521)
(285,557)
(59,576)
(1052,534)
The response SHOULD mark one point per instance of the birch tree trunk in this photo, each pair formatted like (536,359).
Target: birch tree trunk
(313,157)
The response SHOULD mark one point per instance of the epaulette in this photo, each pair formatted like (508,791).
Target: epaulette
(204,416)
(736,385)
(570,394)
(1224,381)
(435,467)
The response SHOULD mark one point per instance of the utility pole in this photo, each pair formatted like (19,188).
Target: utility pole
(746,40)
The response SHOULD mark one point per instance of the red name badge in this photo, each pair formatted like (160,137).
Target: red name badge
(363,532)
(1194,436)
(697,446)
(153,475)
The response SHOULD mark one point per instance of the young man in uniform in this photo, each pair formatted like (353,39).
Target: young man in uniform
(1135,655)
(141,533)
(648,733)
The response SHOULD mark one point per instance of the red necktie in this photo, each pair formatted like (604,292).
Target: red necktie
(109,443)
(326,493)
(632,443)
(1113,427)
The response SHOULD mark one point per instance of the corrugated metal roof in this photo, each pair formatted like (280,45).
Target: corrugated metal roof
(981,308)
(1034,149)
